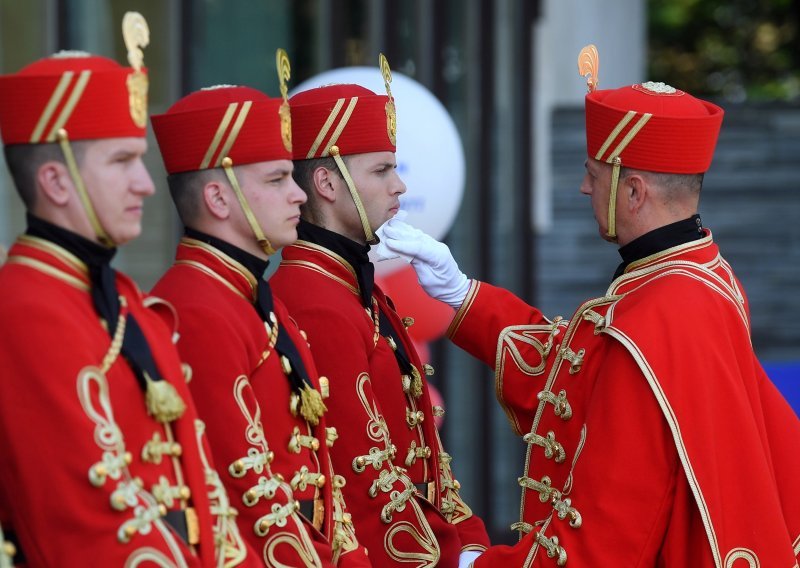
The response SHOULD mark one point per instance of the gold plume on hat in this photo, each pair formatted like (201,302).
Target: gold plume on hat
(136,34)
(391,111)
(284,73)
(589,66)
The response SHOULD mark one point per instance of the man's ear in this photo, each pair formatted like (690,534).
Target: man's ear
(54,183)
(636,192)
(217,198)
(324,184)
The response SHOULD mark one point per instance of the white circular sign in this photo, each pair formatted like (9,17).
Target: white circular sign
(430,157)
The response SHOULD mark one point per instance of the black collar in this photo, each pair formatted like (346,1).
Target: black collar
(665,237)
(89,252)
(257,266)
(354,253)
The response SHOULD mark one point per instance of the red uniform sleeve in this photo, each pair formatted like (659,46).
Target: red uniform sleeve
(485,312)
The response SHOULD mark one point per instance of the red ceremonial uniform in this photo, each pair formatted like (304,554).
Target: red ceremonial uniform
(276,456)
(654,436)
(85,471)
(103,460)
(379,402)
(388,441)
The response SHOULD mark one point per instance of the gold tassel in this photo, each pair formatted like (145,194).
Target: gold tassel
(416,382)
(163,401)
(311,405)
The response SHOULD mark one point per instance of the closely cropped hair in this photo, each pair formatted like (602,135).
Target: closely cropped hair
(674,184)
(304,177)
(24,160)
(186,190)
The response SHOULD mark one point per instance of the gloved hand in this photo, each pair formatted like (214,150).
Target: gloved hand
(466,558)
(437,270)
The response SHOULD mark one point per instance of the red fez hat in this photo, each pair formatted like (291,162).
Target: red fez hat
(87,95)
(240,123)
(348,116)
(652,127)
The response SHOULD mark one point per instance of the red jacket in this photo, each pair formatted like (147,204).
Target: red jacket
(86,474)
(387,437)
(654,436)
(273,459)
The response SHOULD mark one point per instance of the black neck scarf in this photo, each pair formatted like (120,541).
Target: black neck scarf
(105,297)
(264,305)
(357,256)
(665,237)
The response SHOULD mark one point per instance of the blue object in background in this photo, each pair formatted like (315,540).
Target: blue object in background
(786,376)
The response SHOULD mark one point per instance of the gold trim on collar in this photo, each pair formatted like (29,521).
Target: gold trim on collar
(50,270)
(307,245)
(317,268)
(59,252)
(209,272)
(661,255)
(229,263)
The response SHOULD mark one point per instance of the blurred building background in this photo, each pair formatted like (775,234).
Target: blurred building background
(506,71)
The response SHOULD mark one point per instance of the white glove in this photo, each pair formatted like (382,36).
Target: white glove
(380,251)
(437,270)
(466,558)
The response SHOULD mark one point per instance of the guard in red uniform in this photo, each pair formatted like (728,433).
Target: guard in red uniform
(102,458)
(399,483)
(228,152)
(654,436)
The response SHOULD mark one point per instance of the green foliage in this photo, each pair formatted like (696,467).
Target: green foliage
(736,50)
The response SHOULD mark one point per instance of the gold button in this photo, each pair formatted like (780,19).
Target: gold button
(286,365)
(279,477)
(176,449)
(130,530)
(333,150)
(427,452)
(297,505)
(315,444)
(185,492)
(429,370)
(320,483)
(128,457)
(118,502)
(9,549)
(263,526)
(237,467)
(304,335)
(100,470)
(456,484)
(250,495)
(361,461)
(162,510)
(408,321)
(270,456)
